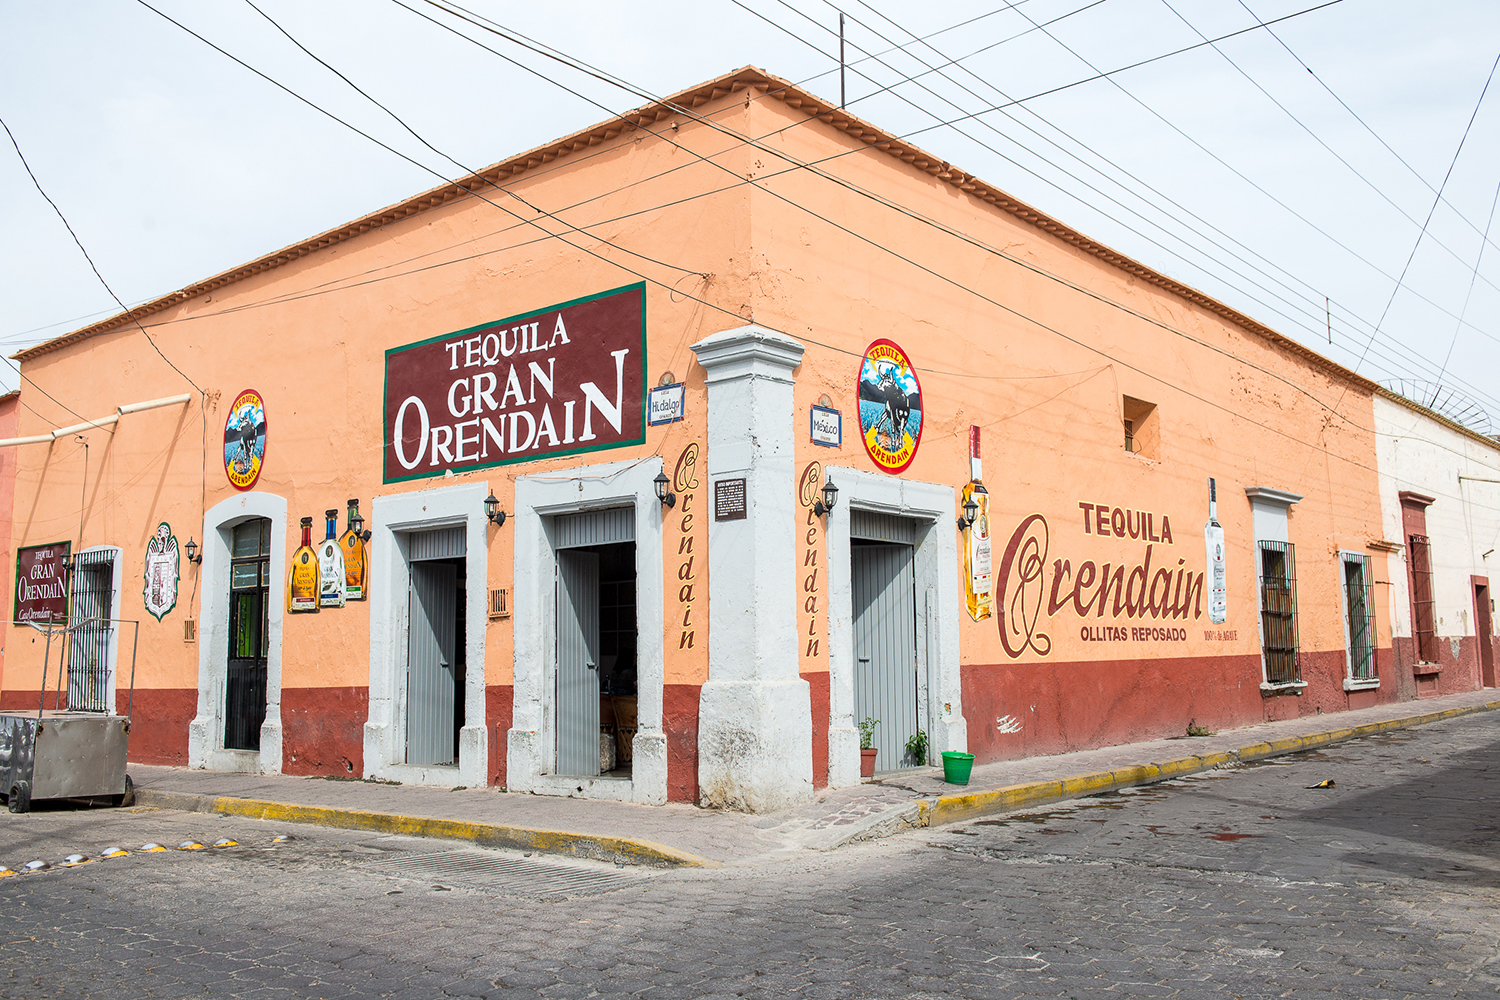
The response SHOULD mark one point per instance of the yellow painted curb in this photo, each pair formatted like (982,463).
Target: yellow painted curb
(964,806)
(628,850)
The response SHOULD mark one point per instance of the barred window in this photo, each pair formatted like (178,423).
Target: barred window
(1359,616)
(1278,611)
(1423,619)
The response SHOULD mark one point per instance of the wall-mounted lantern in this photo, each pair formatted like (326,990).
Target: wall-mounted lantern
(971,511)
(830,498)
(666,496)
(492,510)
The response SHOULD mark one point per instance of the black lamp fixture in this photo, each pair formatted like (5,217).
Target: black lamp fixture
(830,498)
(357,524)
(492,510)
(666,496)
(971,511)
(191,548)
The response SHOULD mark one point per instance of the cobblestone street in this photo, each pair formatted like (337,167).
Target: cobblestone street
(1234,883)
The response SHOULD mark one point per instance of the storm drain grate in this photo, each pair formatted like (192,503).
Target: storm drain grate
(521,876)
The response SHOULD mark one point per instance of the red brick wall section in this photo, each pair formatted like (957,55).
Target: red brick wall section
(158,723)
(1081,705)
(499,707)
(818,684)
(680,722)
(323,730)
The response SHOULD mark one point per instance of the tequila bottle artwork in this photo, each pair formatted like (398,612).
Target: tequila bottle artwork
(1213,540)
(353,545)
(331,565)
(302,580)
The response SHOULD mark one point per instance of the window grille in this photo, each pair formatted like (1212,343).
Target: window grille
(1359,609)
(88,648)
(1130,445)
(1278,611)
(1423,619)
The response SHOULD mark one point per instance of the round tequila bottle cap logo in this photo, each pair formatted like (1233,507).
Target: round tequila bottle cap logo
(245,440)
(890,406)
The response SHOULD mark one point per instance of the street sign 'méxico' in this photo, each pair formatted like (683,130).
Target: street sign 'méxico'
(567,379)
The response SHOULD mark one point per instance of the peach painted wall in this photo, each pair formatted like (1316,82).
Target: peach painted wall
(1038,350)
(311,336)
(10,406)
(1040,366)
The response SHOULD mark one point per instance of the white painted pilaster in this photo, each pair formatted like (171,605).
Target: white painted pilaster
(755,711)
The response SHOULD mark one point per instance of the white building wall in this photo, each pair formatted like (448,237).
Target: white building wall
(1416,452)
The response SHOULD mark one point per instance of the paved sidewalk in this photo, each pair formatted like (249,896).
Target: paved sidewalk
(677,834)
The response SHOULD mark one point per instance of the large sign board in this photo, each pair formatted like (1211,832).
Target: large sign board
(567,379)
(42,582)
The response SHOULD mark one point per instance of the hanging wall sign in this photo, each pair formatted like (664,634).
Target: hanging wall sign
(979,584)
(667,404)
(827,426)
(567,379)
(41,582)
(245,440)
(890,406)
(163,571)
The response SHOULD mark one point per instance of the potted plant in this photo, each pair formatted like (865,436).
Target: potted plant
(866,752)
(916,748)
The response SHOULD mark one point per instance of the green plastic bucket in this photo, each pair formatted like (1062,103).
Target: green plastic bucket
(956,767)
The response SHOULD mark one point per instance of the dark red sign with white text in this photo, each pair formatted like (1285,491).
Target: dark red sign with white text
(567,379)
(42,583)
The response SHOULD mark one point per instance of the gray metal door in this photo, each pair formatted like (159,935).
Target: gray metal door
(885,646)
(430,660)
(577,662)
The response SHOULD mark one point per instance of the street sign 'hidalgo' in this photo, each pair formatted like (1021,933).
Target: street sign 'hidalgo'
(567,379)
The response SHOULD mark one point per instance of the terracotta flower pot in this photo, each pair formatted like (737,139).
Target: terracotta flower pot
(867,761)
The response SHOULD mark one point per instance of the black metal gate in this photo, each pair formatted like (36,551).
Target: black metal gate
(249,614)
(92,632)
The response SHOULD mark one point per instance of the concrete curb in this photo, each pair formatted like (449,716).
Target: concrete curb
(961,807)
(623,850)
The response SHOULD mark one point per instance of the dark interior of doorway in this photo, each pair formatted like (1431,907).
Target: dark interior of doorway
(617,651)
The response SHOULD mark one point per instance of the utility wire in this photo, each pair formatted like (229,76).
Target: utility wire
(1305,310)
(1271,428)
(1315,137)
(92,266)
(1364,124)
(1436,199)
(1470,293)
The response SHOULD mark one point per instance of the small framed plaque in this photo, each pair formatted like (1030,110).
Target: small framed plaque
(827,427)
(729,500)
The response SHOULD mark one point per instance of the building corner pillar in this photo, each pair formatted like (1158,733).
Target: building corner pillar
(755,710)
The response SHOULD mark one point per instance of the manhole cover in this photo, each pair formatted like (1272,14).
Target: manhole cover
(507,873)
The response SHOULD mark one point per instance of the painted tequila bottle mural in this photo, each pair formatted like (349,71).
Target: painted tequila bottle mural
(302,580)
(1213,540)
(353,545)
(331,565)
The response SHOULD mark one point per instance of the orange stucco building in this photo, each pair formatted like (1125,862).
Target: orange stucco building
(724,302)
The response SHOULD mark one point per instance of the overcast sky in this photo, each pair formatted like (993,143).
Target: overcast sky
(1278,167)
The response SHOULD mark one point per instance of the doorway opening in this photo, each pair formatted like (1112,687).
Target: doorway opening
(436,650)
(1484,630)
(595,693)
(885,643)
(91,653)
(249,616)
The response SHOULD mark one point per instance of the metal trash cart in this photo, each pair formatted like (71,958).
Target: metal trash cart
(77,751)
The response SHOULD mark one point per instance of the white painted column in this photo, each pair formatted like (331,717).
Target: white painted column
(755,711)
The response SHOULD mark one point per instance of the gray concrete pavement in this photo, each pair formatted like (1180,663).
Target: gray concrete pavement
(679,833)
(1238,882)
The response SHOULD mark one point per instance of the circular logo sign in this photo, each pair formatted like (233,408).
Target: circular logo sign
(245,440)
(890,406)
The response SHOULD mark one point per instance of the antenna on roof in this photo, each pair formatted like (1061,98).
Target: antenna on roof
(841,59)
